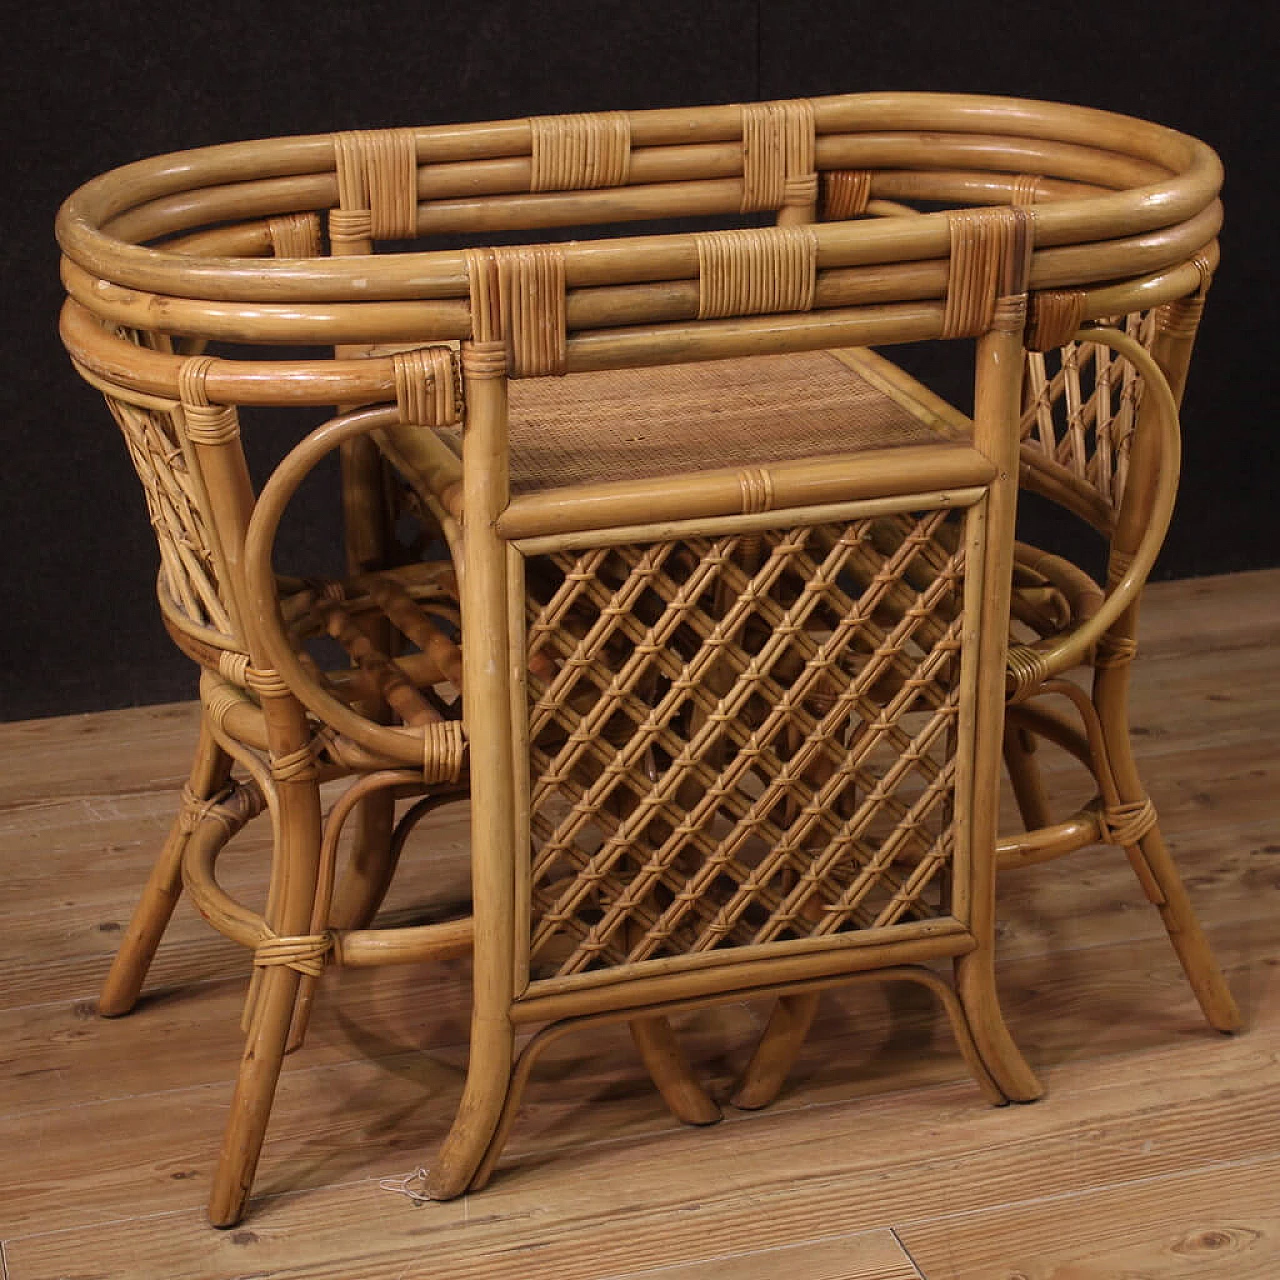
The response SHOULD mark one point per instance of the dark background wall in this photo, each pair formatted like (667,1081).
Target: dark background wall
(90,87)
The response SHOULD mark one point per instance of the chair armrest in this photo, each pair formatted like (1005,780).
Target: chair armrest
(1031,665)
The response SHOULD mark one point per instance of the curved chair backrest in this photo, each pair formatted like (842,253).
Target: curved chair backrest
(1082,404)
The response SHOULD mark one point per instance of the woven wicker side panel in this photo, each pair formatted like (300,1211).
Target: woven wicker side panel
(741,740)
(187,565)
(1081,404)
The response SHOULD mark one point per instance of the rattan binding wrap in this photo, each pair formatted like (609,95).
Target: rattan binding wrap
(578,152)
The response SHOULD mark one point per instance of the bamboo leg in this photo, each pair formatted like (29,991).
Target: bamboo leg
(776,1051)
(360,893)
(1150,857)
(649,1035)
(992,1043)
(366,520)
(209,773)
(1024,774)
(479,1113)
(665,1061)
(963,1032)
(1186,935)
(997,393)
(367,535)
(519,1078)
(294,870)
(254,1093)
(1156,868)
(487,703)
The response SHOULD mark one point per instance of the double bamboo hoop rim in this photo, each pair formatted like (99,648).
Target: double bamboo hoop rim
(1122,212)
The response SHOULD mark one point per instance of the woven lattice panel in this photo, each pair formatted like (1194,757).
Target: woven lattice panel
(187,567)
(742,740)
(1081,405)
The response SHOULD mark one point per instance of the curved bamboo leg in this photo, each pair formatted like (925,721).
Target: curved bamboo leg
(1024,774)
(210,771)
(1155,867)
(483,1115)
(547,1036)
(1149,856)
(992,1043)
(669,1069)
(294,873)
(776,1051)
(792,1017)
(373,880)
(992,1090)
(493,573)
(997,396)
(511,1102)
(374,859)
(367,529)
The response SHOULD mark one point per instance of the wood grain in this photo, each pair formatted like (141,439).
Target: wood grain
(604,1208)
(1154,1154)
(874,1256)
(1222,1221)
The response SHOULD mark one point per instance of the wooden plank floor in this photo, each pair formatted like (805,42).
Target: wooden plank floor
(1155,1154)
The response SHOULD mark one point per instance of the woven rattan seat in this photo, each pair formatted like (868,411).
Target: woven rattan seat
(717,641)
(646,423)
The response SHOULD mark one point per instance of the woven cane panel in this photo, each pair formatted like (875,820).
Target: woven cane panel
(187,567)
(628,424)
(741,740)
(1081,404)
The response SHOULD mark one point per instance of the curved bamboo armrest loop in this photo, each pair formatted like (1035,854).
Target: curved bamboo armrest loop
(1030,665)
(437,748)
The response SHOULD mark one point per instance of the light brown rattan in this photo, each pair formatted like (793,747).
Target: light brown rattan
(736,594)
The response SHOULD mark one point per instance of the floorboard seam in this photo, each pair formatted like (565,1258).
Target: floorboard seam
(679,1268)
(915,1266)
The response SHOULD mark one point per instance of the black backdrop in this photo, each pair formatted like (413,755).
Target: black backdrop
(89,87)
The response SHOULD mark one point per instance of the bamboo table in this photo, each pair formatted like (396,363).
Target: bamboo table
(726,610)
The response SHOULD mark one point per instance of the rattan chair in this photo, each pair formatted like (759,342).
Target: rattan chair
(1090,446)
(730,596)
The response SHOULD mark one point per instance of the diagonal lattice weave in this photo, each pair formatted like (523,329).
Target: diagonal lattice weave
(1081,406)
(187,566)
(742,739)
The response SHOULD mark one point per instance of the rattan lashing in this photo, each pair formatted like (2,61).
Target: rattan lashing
(734,598)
